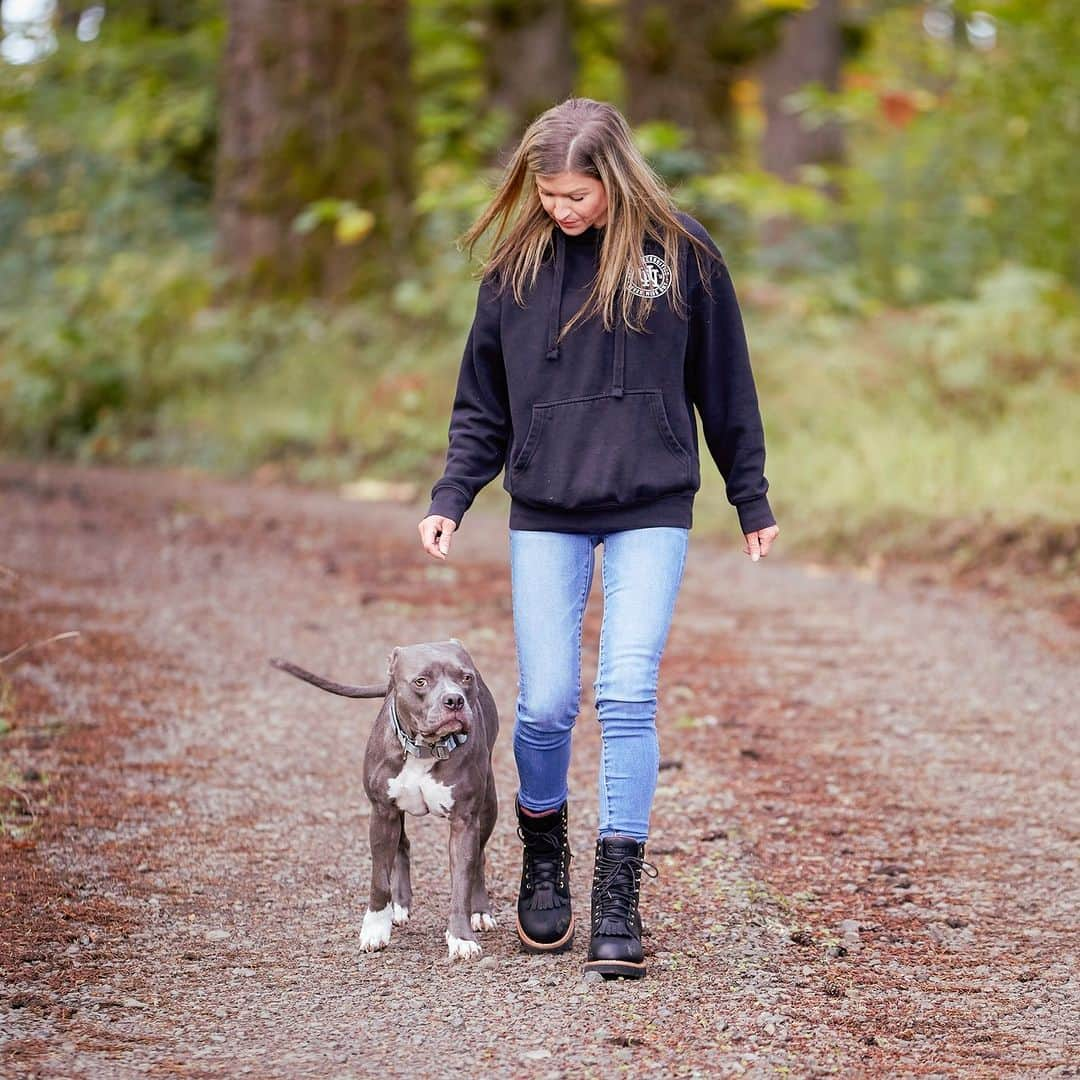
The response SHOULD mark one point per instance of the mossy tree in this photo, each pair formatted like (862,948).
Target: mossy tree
(810,50)
(317,110)
(680,58)
(529,58)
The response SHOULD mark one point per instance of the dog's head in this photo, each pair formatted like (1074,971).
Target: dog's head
(435,685)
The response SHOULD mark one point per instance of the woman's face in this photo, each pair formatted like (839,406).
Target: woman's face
(574,200)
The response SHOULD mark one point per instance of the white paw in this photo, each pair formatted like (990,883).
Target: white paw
(461,949)
(401,915)
(375,930)
(481,920)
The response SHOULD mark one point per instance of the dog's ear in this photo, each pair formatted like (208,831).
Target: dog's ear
(391,660)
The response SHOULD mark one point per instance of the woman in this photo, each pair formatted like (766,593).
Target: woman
(593,419)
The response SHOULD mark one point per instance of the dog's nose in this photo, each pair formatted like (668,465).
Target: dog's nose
(454,701)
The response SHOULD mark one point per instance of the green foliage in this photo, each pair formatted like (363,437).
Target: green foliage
(956,408)
(351,223)
(597,30)
(105,361)
(915,342)
(105,147)
(666,147)
(959,159)
(977,357)
(455,127)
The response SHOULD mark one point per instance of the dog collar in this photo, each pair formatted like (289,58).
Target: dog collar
(440,750)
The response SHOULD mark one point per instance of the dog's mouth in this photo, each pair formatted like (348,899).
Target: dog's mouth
(450,726)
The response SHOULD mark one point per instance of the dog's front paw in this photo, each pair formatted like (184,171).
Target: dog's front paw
(375,929)
(462,948)
(401,915)
(482,920)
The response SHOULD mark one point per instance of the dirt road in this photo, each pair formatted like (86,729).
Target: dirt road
(867,827)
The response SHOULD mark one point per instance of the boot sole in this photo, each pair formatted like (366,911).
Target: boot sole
(564,943)
(615,969)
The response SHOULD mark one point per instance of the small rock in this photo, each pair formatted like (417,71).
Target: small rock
(593,978)
(890,869)
(217,935)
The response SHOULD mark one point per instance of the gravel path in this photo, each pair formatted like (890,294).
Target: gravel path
(867,826)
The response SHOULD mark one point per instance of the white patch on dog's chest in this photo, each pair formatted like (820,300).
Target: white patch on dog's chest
(417,792)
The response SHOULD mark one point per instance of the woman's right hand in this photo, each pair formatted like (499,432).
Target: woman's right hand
(435,533)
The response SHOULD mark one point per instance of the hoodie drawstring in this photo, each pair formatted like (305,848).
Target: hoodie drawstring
(555,304)
(620,358)
(555,320)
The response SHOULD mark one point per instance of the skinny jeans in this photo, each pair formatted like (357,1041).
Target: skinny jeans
(551,574)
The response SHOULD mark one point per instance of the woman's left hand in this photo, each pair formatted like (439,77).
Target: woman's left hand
(758,543)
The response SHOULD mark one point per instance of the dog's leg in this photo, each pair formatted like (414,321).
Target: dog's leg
(401,880)
(464,855)
(385,832)
(480,905)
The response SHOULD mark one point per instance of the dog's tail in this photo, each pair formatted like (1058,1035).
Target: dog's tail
(372,691)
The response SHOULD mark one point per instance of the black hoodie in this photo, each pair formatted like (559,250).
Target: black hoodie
(598,433)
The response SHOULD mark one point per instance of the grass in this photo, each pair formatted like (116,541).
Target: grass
(7,705)
(18,815)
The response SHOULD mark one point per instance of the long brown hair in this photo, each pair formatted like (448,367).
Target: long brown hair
(592,138)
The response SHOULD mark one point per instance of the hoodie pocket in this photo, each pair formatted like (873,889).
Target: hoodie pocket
(600,451)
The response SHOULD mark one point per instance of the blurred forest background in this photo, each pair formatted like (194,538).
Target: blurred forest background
(227,237)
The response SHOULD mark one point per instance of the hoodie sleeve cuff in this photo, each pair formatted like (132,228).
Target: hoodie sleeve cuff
(755,514)
(449,502)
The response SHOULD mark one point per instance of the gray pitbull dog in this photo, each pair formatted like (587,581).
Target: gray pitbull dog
(429,752)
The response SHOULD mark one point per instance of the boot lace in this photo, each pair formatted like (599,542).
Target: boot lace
(618,884)
(545,868)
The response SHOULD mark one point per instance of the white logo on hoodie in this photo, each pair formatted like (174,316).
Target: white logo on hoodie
(652,277)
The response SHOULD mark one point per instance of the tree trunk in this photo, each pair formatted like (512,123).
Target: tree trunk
(316,104)
(529,58)
(679,64)
(810,50)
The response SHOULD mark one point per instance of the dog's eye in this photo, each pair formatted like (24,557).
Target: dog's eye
(466,678)
(421,681)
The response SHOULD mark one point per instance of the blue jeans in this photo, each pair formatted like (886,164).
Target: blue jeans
(551,573)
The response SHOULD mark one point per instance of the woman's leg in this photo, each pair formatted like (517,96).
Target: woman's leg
(642,572)
(551,573)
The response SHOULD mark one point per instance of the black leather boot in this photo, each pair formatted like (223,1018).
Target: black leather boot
(545,920)
(615,945)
